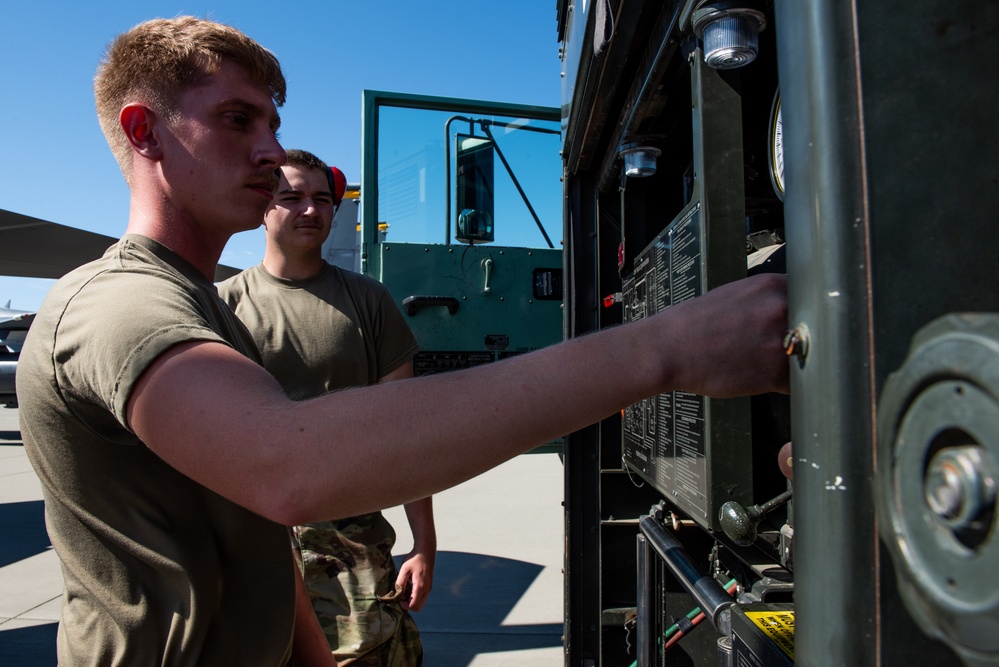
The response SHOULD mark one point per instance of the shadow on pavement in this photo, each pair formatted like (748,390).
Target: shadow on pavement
(10,439)
(22,531)
(472,596)
(29,647)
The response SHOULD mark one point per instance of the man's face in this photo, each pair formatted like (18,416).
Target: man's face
(301,213)
(220,153)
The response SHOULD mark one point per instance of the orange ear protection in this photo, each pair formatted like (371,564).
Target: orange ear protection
(338,185)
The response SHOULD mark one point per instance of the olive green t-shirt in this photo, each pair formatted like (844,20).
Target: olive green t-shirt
(336,330)
(158,569)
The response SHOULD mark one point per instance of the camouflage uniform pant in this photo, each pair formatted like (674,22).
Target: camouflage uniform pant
(350,575)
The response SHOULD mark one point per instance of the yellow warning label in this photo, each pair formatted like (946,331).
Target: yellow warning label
(778,625)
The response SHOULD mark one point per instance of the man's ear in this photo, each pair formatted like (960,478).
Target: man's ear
(270,209)
(139,123)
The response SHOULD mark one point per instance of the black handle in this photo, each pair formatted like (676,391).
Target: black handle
(412,304)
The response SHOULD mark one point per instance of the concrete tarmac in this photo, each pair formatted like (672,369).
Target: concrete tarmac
(497,594)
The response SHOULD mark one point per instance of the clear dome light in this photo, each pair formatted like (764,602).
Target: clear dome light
(639,161)
(729,34)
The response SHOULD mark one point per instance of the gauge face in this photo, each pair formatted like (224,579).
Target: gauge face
(777,147)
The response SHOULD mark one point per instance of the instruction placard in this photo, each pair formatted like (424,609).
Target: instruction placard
(778,626)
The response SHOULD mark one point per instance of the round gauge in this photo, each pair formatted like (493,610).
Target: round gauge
(777,147)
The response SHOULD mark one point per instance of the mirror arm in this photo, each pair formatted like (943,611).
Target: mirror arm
(513,177)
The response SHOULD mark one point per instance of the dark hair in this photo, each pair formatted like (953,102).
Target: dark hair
(305,159)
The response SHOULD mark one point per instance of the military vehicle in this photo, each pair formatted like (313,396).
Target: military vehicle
(852,145)
(848,144)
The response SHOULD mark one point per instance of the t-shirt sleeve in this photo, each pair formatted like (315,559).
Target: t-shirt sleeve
(231,290)
(114,327)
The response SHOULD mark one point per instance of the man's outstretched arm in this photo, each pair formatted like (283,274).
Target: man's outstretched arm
(223,421)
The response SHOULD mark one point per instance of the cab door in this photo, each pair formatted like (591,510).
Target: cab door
(461,218)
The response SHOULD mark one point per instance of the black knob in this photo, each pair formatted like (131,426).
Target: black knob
(740,523)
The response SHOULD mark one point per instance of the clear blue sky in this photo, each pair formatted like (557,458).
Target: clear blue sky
(56,165)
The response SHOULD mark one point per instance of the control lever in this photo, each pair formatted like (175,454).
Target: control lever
(740,523)
(487,266)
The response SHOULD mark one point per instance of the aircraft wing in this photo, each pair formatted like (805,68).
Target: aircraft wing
(11,320)
(34,248)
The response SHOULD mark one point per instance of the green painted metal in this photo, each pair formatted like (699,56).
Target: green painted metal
(508,309)
(495,306)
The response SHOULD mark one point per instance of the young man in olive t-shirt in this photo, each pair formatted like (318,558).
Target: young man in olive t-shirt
(320,328)
(154,559)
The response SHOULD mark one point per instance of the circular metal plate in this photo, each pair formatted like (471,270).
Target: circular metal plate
(946,394)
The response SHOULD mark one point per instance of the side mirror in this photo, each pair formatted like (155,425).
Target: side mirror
(474,175)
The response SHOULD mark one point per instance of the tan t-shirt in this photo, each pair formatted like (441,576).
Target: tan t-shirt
(158,569)
(336,330)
